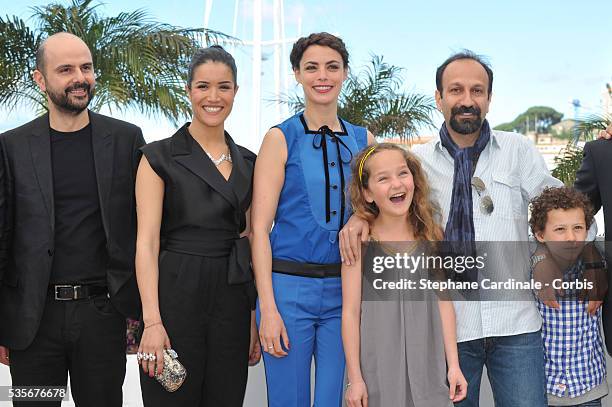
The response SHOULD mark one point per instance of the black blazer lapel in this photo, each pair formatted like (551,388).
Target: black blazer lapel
(190,155)
(241,175)
(40,148)
(102,143)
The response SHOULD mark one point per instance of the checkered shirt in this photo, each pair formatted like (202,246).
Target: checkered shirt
(573,347)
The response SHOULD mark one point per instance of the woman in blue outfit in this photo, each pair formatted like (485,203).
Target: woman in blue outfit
(300,177)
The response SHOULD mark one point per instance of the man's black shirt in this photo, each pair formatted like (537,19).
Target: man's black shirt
(80,243)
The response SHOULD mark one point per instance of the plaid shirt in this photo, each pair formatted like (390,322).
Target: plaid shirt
(573,348)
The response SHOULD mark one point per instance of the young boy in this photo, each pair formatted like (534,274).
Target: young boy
(573,346)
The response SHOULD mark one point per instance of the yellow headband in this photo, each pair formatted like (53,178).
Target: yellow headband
(363,160)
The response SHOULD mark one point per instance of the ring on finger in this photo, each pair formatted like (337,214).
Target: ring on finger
(141,356)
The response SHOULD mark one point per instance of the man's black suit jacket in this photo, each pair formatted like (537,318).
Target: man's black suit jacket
(27,220)
(594,178)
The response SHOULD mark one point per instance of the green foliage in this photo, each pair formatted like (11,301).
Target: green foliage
(373,98)
(536,118)
(589,126)
(18,44)
(139,63)
(567,164)
(570,158)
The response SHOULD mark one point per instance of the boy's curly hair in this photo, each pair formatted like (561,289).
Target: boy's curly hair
(558,198)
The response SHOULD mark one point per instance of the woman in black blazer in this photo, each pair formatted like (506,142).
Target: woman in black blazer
(193,193)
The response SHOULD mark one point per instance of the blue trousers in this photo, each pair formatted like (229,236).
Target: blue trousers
(515,366)
(311,309)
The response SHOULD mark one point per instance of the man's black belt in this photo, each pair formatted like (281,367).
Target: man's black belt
(69,292)
(306,269)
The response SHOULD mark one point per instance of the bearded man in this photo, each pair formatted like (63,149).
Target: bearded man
(67,236)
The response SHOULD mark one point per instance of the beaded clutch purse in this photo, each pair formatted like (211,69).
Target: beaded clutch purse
(174,373)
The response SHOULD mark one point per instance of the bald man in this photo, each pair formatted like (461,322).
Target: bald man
(67,235)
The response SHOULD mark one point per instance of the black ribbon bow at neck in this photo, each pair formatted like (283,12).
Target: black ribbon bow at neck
(320,142)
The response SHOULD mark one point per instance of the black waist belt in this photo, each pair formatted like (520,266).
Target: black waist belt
(236,248)
(306,269)
(69,292)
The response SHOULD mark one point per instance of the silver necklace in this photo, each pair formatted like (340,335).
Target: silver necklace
(224,157)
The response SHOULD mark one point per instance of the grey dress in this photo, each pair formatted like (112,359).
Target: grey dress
(402,347)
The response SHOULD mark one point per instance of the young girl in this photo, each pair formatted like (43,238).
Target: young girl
(395,348)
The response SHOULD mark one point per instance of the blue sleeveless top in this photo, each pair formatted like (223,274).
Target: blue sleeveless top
(310,210)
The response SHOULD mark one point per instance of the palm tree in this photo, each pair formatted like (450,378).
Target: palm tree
(570,158)
(373,99)
(140,63)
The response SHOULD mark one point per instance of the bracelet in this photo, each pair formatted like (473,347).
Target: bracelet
(149,326)
(348,385)
(536,258)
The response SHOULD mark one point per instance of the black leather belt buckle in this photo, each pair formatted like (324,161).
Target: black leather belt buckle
(64,292)
(71,292)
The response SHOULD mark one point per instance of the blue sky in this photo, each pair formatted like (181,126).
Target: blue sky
(543,52)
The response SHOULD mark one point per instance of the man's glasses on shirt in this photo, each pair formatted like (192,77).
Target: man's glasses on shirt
(486,203)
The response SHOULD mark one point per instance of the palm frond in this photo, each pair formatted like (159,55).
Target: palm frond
(403,115)
(17,49)
(374,98)
(567,163)
(294,101)
(588,126)
(140,63)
